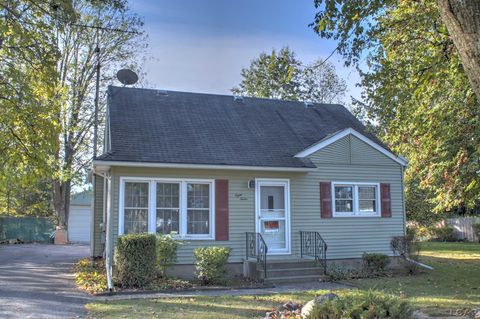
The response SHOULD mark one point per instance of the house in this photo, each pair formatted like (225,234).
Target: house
(277,181)
(80,217)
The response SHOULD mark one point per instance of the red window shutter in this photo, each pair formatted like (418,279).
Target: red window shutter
(386,203)
(221,209)
(326,200)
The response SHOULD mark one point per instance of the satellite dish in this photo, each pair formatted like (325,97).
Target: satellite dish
(127,77)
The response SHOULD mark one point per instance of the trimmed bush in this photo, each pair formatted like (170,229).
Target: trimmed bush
(444,233)
(375,263)
(167,248)
(211,263)
(359,305)
(406,247)
(135,260)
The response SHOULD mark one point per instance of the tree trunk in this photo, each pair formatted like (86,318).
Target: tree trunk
(61,201)
(462,18)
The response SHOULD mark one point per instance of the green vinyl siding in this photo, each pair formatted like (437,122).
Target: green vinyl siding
(338,152)
(367,155)
(347,237)
(241,204)
(97,246)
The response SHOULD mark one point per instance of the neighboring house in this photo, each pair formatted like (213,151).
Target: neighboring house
(80,217)
(239,172)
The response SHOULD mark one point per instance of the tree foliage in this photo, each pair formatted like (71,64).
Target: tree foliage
(30,97)
(321,84)
(282,76)
(416,93)
(77,73)
(274,75)
(48,67)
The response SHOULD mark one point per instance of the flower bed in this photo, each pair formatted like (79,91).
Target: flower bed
(90,276)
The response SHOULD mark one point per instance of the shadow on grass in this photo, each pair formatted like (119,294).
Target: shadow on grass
(201,307)
(180,308)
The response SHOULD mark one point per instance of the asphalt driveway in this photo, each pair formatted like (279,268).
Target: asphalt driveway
(36,281)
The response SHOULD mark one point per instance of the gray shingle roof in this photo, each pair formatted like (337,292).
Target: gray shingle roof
(195,128)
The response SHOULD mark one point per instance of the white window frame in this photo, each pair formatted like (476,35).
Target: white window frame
(152,201)
(356,200)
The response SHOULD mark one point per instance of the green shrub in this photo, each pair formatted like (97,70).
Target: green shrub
(360,304)
(135,260)
(419,232)
(444,233)
(167,248)
(336,272)
(423,233)
(374,263)
(476,229)
(211,263)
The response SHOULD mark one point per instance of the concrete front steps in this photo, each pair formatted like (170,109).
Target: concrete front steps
(279,272)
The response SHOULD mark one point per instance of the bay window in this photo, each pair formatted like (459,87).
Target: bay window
(355,199)
(167,206)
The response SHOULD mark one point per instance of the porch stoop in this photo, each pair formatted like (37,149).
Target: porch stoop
(291,271)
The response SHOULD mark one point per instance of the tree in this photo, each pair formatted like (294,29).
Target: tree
(462,19)
(416,94)
(274,76)
(76,71)
(30,97)
(283,76)
(321,84)
(356,23)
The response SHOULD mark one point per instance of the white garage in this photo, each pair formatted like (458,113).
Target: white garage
(80,217)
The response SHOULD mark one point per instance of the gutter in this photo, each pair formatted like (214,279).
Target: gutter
(107,164)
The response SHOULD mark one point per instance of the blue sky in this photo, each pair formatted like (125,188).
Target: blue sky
(201,45)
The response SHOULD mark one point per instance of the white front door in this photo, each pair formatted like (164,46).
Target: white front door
(272,202)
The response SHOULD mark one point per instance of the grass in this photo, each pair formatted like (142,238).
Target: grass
(225,307)
(452,288)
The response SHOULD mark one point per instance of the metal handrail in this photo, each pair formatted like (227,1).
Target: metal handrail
(255,247)
(313,245)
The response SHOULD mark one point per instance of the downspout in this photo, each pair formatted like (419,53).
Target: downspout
(92,217)
(108,250)
(108,241)
(403,203)
(418,263)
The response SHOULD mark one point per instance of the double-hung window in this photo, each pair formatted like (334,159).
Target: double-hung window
(180,207)
(136,207)
(355,199)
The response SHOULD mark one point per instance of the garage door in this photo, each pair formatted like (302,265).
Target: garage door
(79,224)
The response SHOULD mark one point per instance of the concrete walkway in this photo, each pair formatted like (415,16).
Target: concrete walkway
(36,281)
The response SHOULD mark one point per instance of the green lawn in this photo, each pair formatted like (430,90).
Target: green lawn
(199,307)
(453,285)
